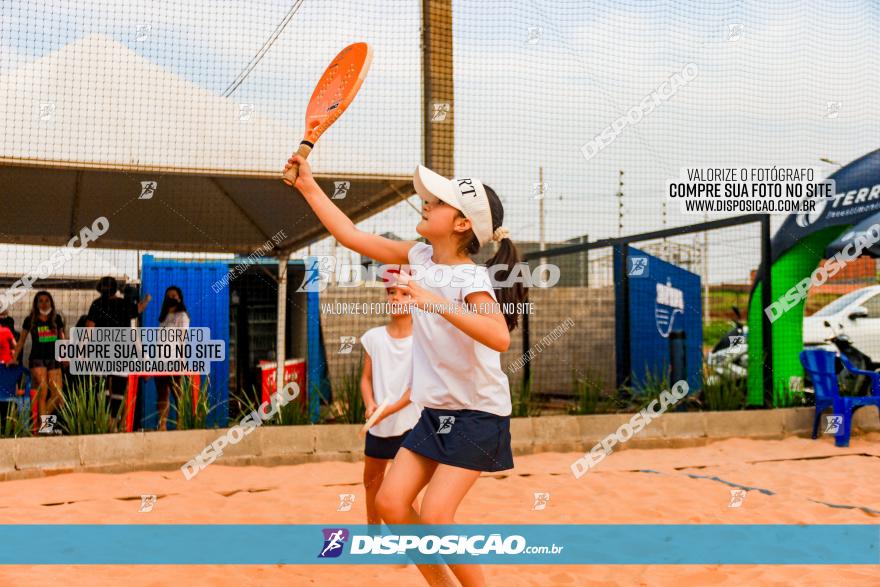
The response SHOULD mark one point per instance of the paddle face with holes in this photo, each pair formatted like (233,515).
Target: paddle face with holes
(335,91)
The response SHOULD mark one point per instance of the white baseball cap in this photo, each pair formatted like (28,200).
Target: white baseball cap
(462,193)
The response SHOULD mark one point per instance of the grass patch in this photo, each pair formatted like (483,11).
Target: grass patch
(722,392)
(86,408)
(293,413)
(18,422)
(524,405)
(192,412)
(348,405)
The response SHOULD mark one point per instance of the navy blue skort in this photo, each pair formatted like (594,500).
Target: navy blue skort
(470,439)
(383,447)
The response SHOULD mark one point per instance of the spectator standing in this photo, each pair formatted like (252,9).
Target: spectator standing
(172,315)
(44,326)
(7,345)
(9,322)
(112,311)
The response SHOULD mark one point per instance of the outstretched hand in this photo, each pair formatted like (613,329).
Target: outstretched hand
(305,177)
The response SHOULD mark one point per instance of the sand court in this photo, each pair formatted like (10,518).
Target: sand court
(791,481)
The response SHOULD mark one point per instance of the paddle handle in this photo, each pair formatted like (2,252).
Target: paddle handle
(291,174)
(373,418)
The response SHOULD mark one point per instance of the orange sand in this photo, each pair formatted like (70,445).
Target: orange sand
(612,493)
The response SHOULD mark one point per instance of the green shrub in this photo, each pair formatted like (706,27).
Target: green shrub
(86,408)
(189,416)
(589,397)
(588,394)
(349,403)
(291,414)
(524,405)
(18,422)
(722,392)
(650,388)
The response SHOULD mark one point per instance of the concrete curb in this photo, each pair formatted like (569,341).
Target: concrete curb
(23,458)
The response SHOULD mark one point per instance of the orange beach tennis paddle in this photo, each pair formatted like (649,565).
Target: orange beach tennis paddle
(335,91)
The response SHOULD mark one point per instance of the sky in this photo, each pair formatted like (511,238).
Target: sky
(781,84)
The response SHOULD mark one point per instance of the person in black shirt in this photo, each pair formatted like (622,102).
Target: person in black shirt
(110,310)
(44,326)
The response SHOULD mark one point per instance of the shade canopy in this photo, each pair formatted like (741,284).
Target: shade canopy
(89,124)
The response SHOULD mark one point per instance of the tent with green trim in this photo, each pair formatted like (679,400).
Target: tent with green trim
(797,248)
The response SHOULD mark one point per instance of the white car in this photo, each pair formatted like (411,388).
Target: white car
(856,314)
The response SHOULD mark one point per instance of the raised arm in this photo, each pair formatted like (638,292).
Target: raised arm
(384,250)
(142,305)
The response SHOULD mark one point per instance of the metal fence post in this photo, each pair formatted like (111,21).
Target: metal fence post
(766,300)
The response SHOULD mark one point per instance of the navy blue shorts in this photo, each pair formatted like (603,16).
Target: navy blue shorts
(469,439)
(381,447)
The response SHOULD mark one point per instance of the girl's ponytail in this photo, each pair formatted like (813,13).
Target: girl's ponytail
(510,297)
(502,263)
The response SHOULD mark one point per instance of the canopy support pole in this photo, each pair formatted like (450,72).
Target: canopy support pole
(281,331)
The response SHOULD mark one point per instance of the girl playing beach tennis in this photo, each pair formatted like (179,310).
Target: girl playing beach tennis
(459,333)
(386,381)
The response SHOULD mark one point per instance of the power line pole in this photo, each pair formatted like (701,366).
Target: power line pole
(663,223)
(706,313)
(542,244)
(620,203)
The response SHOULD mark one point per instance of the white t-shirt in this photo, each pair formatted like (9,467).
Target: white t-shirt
(176,320)
(391,359)
(451,370)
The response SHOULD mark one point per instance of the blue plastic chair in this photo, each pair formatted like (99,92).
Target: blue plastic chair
(9,378)
(820,364)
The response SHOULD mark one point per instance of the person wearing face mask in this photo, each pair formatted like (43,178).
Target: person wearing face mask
(172,315)
(44,326)
(111,310)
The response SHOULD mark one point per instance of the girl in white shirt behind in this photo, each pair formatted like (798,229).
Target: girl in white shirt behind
(172,315)
(387,378)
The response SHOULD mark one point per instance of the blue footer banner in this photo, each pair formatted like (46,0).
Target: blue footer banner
(553,544)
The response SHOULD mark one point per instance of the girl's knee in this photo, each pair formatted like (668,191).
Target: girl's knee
(389,506)
(431,516)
